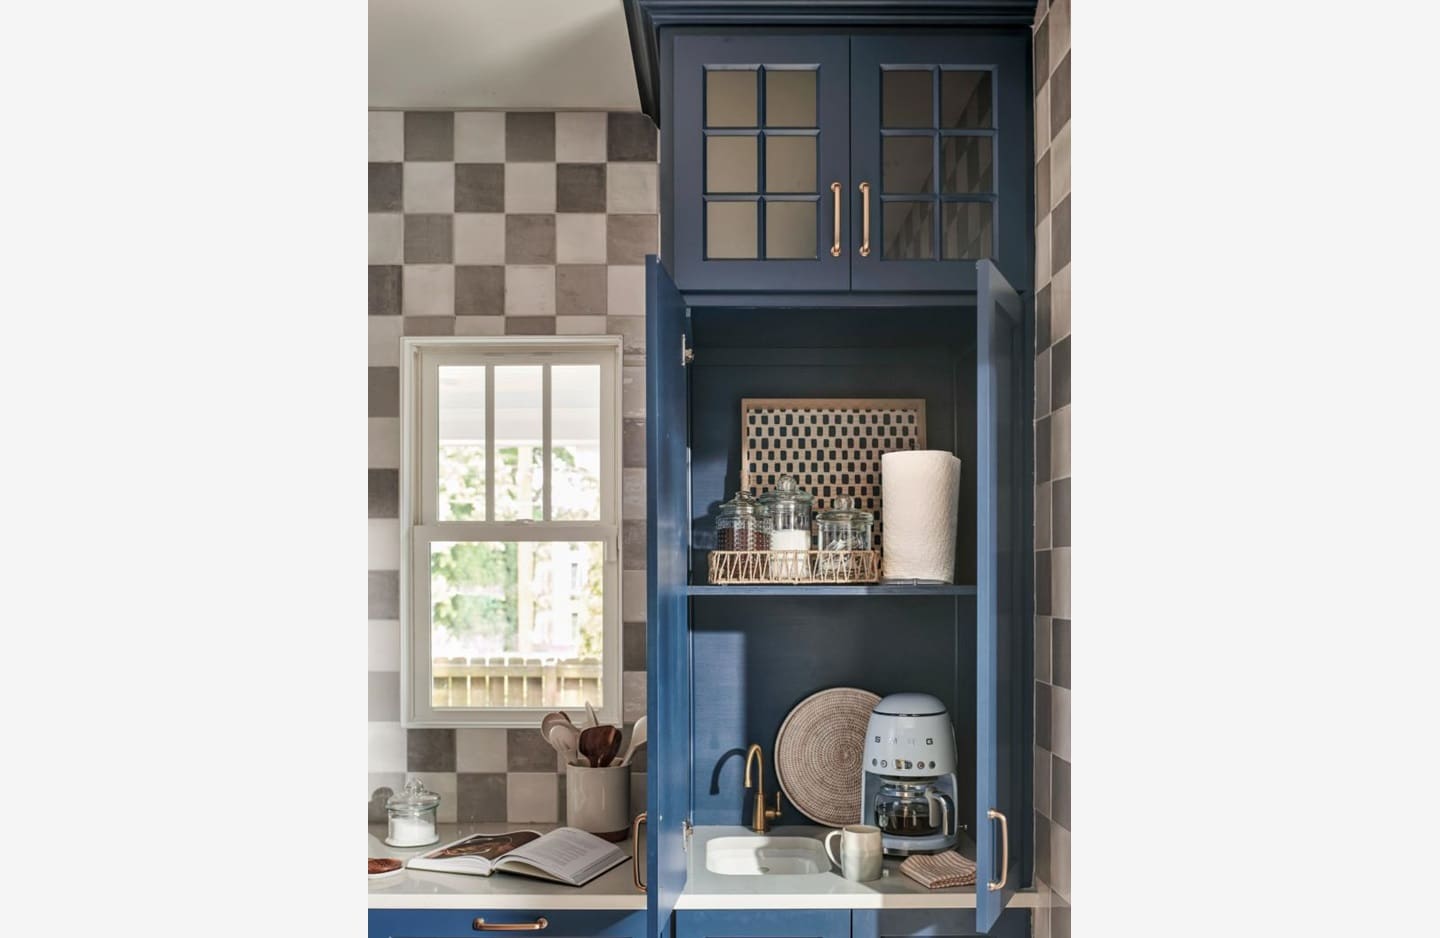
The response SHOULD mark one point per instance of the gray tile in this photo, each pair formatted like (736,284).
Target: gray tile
(430,750)
(632,444)
(429,239)
(429,325)
(1041,45)
(384,493)
(1060,652)
(1042,450)
(429,135)
(1042,648)
(1059,919)
(529,137)
(1044,497)
(1060,235)
(384,290)
(633,646)
(633,547)
(529,239)
(628,238)
(384,696)
(1042,847)
(1042,318)
(580,187)
(1060,371)
(1060,791)
(530,325)
(479,291)
(527,751)
(384,392)
(387,187)
(1060,512)
(479,187)
(1060,96)
(1042,582)
(1042,716)
(1040,779)
(631,329)
(1042,187)
(580,290)
(1042,384)
(384,594)
(630,136)
(479,797)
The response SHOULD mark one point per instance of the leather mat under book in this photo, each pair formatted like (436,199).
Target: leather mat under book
(940,870)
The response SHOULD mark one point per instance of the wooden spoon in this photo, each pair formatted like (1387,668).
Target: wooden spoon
(600,744)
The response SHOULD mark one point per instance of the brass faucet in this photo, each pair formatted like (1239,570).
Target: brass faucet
(760,822)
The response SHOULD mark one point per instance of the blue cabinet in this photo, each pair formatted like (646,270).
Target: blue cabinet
(766,923)
(467,923)
(934,923)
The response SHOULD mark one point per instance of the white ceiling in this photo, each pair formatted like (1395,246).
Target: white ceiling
(514,54)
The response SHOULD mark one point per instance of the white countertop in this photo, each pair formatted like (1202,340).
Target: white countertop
(893,890)
(425,889)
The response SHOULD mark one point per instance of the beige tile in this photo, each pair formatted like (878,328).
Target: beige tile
(480,137)
(385,332)
(1040,765)
(384,443)
(444,785)
(1042,515)
(532,797)
(384,646)
(479,238)
(429,187)
(529,291)
(579,239)
(386,747)
(384,542)
(480,750)
(387,136)
(387,238)
(1060,443)
(632,494)
(1060,304)
(632,386)
(632,687)
(579,137)
(632,188)
(1060,583)
(1060,721)
(1060,861)
(1042,384)
(1059,29)
(429,290)
(579,325)
(1042,121)
(632,596)
(1042,251)
(529,188)
(626,290)
(479,325)
(1060,165)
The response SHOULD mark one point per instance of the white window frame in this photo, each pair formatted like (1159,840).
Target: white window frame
(420,359)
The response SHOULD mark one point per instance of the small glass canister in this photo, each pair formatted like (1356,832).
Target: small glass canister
(787,510)
(412,816)
(842,526)
(741,524)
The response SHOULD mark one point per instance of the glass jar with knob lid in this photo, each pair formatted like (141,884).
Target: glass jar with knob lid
(742,524)
(412,816)
(787,509)
(842,526)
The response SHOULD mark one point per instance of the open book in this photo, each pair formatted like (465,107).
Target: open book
(565,855)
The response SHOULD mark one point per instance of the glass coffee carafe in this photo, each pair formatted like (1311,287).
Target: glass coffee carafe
(912,809)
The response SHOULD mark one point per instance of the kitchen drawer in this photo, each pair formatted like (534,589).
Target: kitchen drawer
(762,923)
(461,923)
(934,923)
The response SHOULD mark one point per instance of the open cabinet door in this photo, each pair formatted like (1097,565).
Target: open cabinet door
(667,650)
(1003,480)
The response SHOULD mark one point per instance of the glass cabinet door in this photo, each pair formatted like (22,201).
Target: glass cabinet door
(940,161)
(761,147)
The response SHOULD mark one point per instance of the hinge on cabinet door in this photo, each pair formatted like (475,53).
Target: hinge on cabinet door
(689,830)
(687,354)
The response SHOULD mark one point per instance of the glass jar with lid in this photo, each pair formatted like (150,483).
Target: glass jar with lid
(742,524)
(842,526)
(787,510)
(412,816)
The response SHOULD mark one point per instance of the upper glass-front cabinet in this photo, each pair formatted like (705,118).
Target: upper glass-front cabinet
(761,137)
(833,163)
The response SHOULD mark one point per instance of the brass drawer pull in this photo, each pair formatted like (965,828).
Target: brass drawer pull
(635,849)
(864,219)
(835,248)
(992,814)
(540,924)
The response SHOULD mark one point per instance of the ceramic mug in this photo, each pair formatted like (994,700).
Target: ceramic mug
(859,849)
(598,800)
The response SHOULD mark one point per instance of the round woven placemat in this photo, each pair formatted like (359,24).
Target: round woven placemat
(818,754)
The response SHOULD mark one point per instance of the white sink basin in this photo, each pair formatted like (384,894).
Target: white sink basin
(765,856)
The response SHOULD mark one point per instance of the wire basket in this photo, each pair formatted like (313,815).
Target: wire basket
(732,567)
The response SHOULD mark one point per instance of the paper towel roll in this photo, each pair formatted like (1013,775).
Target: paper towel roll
(920,499)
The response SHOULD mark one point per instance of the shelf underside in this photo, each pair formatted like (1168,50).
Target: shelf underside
(855,589)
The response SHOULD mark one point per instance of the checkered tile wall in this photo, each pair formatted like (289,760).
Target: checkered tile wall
(500,223)
(1052,466)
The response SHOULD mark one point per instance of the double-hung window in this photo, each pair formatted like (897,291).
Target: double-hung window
(510,511)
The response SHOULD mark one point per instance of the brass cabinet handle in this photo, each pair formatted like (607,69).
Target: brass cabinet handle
(540,924)
(864,219)
(635,849)
(835,248)
(992,814)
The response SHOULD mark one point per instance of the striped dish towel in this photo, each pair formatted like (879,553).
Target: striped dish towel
(940,870)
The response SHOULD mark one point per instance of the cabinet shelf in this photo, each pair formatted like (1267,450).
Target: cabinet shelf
(857,589)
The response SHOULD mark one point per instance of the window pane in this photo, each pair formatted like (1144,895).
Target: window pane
(966,100)
(730,98)
(575,443)
(790,229)
(731,165)
(519,456)
(969,230)
(730,230)
(790,164)
(968,167)
(516,624)
(789,98)
(906,98)
(908,231)
(460,491)
(907,164)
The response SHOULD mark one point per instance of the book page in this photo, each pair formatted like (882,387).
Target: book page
(569,854)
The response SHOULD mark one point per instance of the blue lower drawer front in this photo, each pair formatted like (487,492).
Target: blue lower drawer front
(934,923)
(462,923)
(762,923)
